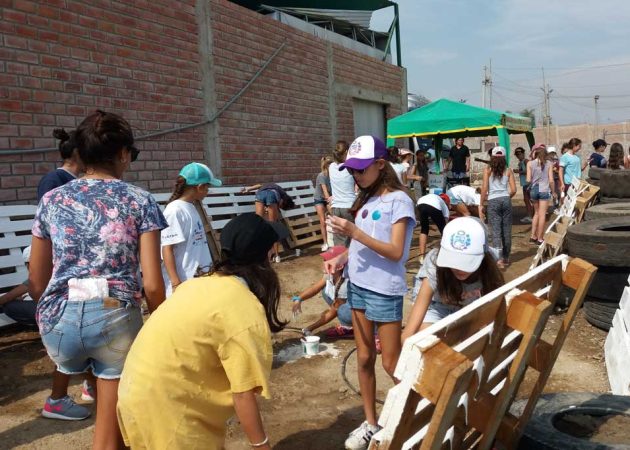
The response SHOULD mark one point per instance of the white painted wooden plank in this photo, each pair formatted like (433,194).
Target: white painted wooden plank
(11,260)
(11,226)
(15,241)
(226,210)
(624,307)
(617,352)
(5,320)
(10,280)
(17,210)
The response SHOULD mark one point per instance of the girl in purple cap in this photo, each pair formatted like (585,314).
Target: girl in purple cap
(375,267)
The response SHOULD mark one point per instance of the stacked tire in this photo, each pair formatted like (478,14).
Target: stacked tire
(594,174)
(605,243)
(614,186)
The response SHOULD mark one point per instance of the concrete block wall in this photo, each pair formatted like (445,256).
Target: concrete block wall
(164,64)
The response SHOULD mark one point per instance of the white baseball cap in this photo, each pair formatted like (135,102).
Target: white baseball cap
(498,151)
(463,244)
(551,149)
(363,151)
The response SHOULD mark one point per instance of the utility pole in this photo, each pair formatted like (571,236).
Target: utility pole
(546,120)
(596,98)
(486,94)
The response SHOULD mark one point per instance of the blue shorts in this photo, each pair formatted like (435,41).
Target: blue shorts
(438,311)
(377,307)
(267,197)
(92,337)
(319,201)
(344,313)
(535,195)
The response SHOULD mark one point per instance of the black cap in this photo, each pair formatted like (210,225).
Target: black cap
(247,238)
(599,143)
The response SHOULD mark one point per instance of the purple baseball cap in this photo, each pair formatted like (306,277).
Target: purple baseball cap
(363,151)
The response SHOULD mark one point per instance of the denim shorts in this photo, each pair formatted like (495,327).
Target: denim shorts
(344,313)
(267,197)
(438,311)
(319,201)
(377,307)
(535,195)
(90,336)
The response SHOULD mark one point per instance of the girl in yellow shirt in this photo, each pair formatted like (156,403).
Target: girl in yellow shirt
(202,358)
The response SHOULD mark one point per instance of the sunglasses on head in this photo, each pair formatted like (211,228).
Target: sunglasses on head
(134,152)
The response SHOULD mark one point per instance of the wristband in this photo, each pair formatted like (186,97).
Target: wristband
(260,444)
(296,298)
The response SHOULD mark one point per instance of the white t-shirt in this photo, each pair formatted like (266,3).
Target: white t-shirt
(186,233)
(400,169)
(435,201)
(464,194)
(342,186)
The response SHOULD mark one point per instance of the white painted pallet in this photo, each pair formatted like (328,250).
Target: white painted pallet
(617,348)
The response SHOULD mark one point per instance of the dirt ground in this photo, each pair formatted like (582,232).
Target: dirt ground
(312,407)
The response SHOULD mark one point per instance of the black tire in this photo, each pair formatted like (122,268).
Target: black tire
(600,314)
(608,283)
(604,199)
(608,210)
(602,242)
(615,183)
(541,432)
(595,172)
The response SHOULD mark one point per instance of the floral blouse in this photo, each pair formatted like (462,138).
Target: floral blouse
(94,226)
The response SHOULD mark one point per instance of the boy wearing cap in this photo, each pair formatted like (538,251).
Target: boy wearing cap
(206,354)
(185,251)
(453,276)
(334,289)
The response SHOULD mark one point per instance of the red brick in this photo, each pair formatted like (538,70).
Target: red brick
(21,118)
(10,105)
(22,169)
(11,182)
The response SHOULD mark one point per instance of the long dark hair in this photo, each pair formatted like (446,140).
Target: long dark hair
(100,138)
(67,143)
(615,161)
(574,142)
(541,154)
(450,288)
(180,188)
(386,178)
(262,281)
(497,166)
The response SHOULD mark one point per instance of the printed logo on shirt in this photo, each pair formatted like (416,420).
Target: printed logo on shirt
(460,240)
(169,236)
(198,234)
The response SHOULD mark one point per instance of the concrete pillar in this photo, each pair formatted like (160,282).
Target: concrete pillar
(206,63)
(332,95)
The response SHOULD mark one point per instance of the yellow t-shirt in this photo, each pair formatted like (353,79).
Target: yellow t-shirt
(208,340)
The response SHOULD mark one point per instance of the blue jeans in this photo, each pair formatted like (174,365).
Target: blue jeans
(23,312)
(344,313)
(90,336)
(438,310)
(267,197)
(377,307)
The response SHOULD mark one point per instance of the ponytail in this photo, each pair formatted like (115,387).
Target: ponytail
(67,143)
(180,188)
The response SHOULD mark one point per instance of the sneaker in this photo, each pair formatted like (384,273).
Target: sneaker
(526,220)
(276,259)
(64,409)
(360,438)
(87,392)
(325,247)
(339,332)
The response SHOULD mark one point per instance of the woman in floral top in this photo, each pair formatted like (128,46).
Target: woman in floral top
(90,238)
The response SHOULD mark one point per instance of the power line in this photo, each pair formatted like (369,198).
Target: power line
(577,69)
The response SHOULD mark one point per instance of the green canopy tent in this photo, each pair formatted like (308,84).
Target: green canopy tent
(448,119)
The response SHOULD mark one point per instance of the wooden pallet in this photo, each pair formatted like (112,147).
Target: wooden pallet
(580,196)
(617,347)
(15,235)
(460,375)
(224,203)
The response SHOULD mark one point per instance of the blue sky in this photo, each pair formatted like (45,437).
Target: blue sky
(584,46)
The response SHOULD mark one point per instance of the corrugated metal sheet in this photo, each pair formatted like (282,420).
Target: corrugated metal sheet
(359,18)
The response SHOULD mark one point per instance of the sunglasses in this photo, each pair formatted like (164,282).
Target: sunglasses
(134,152)
(355,171)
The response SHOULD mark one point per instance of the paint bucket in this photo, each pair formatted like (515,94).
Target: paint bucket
(310,345)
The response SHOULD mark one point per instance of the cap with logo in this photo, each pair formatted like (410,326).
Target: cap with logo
(363,151)
(463,244)
(196,173)
(498,151)
(247,238)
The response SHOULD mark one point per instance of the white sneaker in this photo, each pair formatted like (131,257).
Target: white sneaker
(325,247)
(360,438)
(526,220)
(276,259)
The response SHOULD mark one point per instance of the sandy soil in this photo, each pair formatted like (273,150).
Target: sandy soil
(312,407)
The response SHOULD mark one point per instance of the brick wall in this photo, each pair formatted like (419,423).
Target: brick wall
(61,59)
